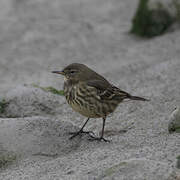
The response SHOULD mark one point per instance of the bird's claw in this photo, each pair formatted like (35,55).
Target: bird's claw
(98,139)
(74,134)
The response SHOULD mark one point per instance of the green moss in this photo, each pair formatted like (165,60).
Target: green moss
(141,17)
(150,22)
(174,126)
(178,129)
(176,5)
(3,105)
(7,159)
(50,89)
(53,90)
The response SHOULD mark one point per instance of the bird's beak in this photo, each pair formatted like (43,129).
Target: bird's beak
(59,72)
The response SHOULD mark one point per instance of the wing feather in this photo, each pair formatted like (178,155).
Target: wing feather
(106,91)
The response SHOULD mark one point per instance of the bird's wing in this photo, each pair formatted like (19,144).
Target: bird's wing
(106,91)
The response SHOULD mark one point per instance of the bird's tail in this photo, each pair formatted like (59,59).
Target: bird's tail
(137,98)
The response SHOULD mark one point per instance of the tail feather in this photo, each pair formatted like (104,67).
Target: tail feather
(138,98)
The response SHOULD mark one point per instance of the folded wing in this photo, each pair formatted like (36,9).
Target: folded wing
(106,91)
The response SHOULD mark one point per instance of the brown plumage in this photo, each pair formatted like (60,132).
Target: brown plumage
(90,94)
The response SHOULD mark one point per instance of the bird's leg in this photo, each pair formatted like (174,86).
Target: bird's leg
(74,134)
(101,138)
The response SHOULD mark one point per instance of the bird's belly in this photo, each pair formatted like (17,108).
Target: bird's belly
(89,104)
(87,111)
(96,110)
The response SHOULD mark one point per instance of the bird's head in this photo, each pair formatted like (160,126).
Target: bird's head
(75,72)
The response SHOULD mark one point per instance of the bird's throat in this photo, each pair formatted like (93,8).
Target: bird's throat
(65,79)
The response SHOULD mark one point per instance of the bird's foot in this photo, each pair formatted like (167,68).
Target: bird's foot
(74,134)
(98,139)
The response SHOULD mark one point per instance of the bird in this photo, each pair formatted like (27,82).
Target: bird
(91,95)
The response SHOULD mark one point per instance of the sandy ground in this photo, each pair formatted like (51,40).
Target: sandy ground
(37,37)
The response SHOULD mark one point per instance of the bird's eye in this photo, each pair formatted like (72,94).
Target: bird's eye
(72,71)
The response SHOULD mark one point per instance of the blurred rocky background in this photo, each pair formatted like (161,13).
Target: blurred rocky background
(39,36)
